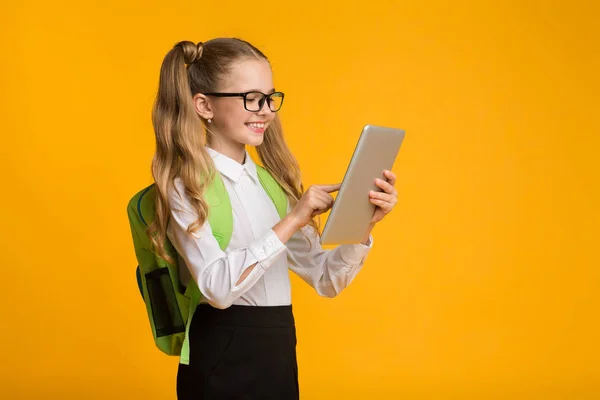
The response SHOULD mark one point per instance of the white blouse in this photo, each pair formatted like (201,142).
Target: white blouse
(254,241)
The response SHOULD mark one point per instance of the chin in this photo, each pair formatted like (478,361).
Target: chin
(253,138)
(255,141)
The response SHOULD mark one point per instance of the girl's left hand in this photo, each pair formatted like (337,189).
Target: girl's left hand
(386,200)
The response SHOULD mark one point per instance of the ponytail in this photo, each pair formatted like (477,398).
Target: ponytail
(180,150)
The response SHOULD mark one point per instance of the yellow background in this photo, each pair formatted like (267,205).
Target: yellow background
(484,282)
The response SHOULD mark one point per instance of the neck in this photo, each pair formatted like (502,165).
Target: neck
(234,150)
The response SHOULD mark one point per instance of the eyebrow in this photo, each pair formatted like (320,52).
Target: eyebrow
(257,90)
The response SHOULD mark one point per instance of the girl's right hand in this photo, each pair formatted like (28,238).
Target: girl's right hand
(316,200)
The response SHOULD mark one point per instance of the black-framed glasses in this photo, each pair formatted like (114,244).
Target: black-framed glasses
(254,101)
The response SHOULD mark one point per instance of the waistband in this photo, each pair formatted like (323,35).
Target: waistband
(250,316)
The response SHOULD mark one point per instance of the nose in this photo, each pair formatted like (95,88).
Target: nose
(265,109)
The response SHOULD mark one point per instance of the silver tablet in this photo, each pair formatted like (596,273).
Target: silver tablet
(352,211)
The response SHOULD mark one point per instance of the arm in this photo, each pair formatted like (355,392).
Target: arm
(367,236)
(284,231)
(328,271)
(222,277)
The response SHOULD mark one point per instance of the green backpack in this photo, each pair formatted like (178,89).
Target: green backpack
(169,304)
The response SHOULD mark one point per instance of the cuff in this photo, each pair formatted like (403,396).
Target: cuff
(266,247)
(354,254)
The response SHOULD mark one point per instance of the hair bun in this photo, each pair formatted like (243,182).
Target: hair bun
(199,50)
(191,52)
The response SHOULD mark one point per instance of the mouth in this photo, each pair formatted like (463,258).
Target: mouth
(256,127)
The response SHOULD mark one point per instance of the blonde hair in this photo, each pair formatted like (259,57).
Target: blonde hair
(181,134)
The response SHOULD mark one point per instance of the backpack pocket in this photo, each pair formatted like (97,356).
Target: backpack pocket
(165,308)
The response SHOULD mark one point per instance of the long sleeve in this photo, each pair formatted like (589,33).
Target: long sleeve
(328,271)
(215,271)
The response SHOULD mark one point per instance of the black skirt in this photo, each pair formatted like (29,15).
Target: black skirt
(242,352)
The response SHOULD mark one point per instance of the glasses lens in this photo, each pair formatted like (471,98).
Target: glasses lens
(275,101)
(254,101)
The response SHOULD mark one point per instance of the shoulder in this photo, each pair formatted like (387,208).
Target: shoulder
(177,196)
(176,190)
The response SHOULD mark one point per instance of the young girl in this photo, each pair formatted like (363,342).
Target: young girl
(214,99)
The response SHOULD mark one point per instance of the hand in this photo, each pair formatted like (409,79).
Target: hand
(386,200)
(316,200)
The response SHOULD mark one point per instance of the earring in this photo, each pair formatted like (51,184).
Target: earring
(209,120)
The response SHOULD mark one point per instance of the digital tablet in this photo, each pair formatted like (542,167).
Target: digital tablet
(352,211)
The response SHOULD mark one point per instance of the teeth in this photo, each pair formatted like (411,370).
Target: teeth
(256,125)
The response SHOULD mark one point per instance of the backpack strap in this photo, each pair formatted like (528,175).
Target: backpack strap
(220,213)
(220,218)
(274,191)
(193,293)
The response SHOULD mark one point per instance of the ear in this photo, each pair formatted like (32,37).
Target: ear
(203,106)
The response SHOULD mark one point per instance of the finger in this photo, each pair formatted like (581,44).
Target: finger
(390,198)
(328,188)
(384,205)
(391,177)
(324,196)
(385,186)
(320,209)
(320,204)
(317,198)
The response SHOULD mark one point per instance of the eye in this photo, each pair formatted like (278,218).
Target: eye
(251,97)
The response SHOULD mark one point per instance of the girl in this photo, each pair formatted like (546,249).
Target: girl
(214,99)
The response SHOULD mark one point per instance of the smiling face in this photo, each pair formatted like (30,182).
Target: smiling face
(233,126)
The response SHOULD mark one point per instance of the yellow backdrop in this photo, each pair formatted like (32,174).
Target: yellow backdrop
(483,283)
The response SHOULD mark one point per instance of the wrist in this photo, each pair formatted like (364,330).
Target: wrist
(292,221)
(367,235)
(286,228)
